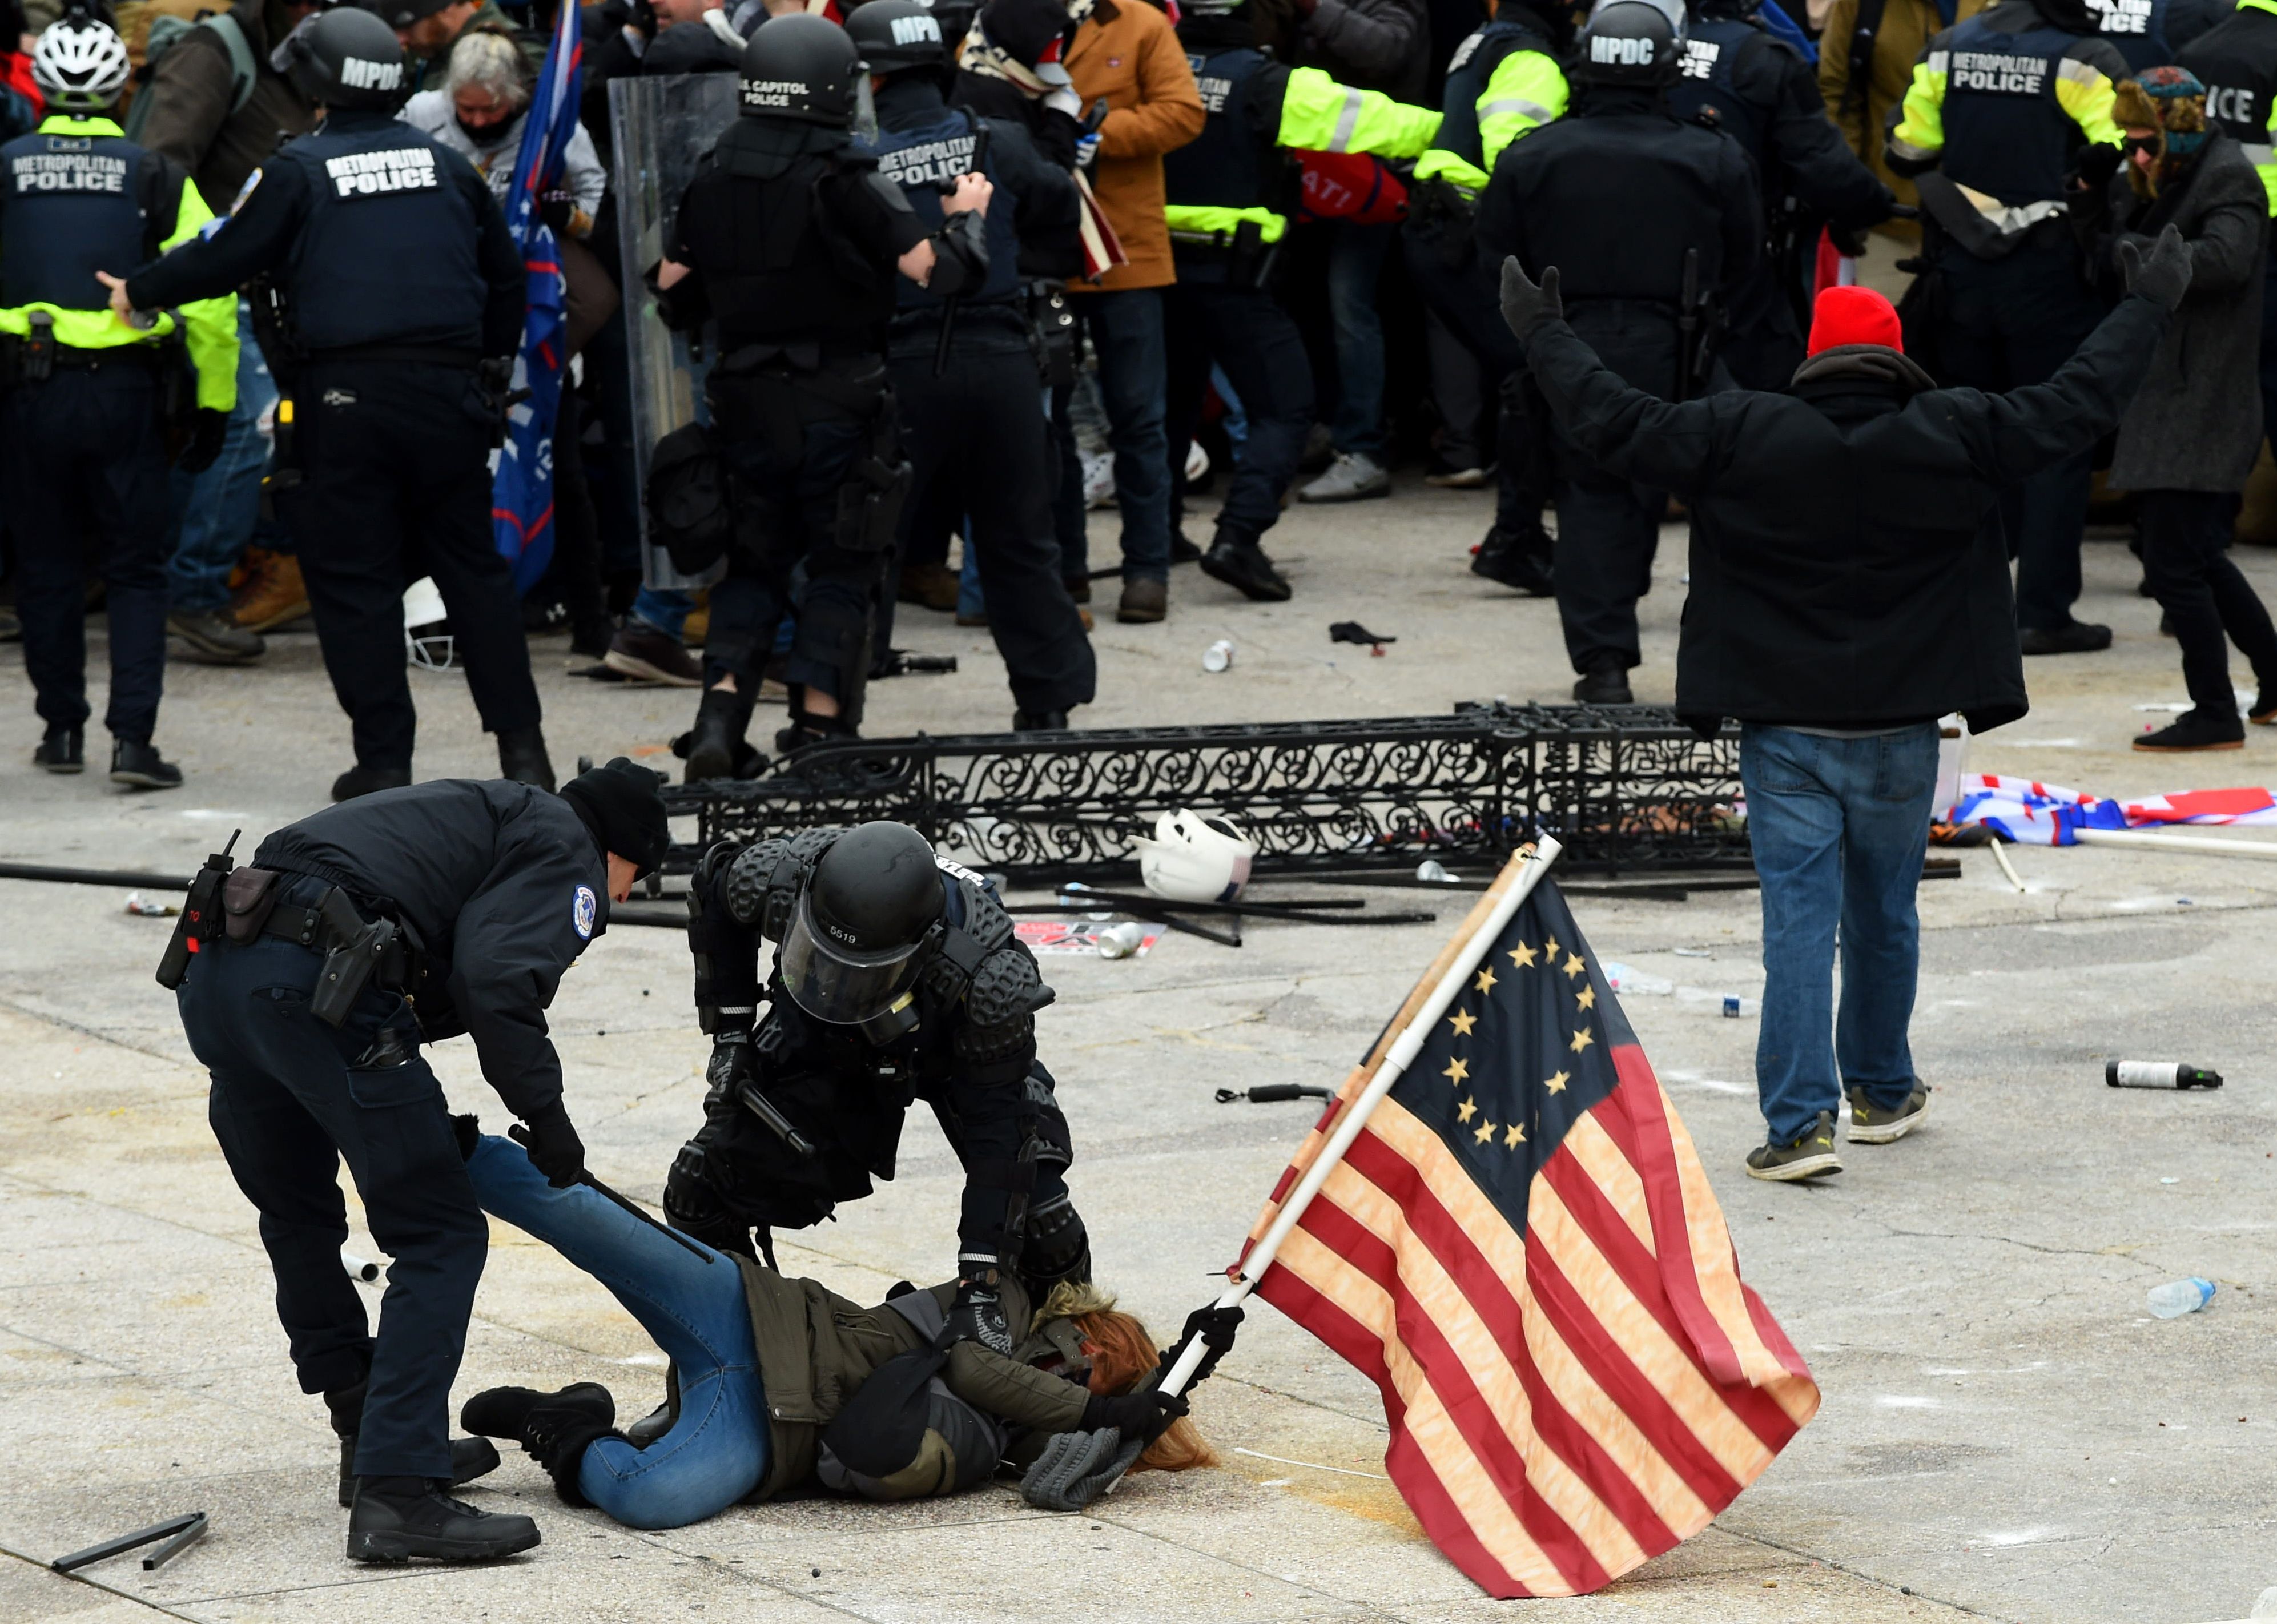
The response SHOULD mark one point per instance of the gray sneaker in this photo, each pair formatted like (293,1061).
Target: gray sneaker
(1871,1124)
(214,636)
(1352,476)
(1810,1156)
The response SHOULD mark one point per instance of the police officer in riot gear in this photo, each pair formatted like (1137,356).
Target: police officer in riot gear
(83,418)
(353,937)
(2001,112)
(966,369)
(1230,191)
(896,977)
(1504,81)
(1757,89)
(790,240)
(403,294)
(1654,224)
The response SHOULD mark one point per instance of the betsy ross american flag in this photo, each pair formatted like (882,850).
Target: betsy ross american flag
(1520,1249)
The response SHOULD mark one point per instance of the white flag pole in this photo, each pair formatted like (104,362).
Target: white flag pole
(1517,886)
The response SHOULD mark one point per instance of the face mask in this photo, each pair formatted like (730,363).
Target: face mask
(483,134)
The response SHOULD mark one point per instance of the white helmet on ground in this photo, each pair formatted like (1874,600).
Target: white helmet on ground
(427,639)
(1195,859)
(80,66)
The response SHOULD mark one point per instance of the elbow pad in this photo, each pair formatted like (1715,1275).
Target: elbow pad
(960,253)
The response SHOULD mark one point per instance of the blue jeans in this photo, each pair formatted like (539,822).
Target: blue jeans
(1839,827)
(1355,268)
(1126,332)
(216,512)
(663,608)
(694,1307)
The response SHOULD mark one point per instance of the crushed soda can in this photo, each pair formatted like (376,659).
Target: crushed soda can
(1218,656)
(1122,941)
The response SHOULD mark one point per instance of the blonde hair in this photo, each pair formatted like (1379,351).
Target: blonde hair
(490,62)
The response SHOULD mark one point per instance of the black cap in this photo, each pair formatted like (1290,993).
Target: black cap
(620,804)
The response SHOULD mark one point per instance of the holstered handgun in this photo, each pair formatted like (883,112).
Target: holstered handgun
(40,347)
(201,918)
(1251,259)
(357,952)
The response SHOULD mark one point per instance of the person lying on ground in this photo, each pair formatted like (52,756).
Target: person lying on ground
(780,1384)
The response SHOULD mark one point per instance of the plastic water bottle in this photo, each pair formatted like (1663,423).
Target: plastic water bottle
(2177,1298)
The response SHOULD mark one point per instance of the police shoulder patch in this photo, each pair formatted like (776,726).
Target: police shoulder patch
(583,909)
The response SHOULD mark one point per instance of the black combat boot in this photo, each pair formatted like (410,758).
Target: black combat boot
(470,1458)
(1040,721)
(1519,562)
(522,758)
(137,762)
(1606,681)
(398,1518)
(716,748)
(555,1428)
(1239,563)
(63,750)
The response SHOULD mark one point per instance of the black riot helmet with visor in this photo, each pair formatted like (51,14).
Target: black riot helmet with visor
(1639,43)
(866,921)
(895,36)
(801,67)
(346,58)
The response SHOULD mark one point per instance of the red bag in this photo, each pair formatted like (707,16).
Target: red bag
(1351,185)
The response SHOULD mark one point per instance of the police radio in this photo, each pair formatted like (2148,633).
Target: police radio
(201,918)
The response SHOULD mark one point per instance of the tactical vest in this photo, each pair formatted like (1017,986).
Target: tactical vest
(1222,167)
(2236,61)
(2005,133)
(1468,69)
(70,206)
(387,255)
(1710,79)
(2138,27)
(776,270)
(923,157)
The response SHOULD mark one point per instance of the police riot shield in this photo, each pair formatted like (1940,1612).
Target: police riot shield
(663,124)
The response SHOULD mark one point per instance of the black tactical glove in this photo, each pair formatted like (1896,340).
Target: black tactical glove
(1525,303)
(2097,163)
(2163,275)
(557,209)
(731,1065)
(1146,1414)
(978,1314)
(205,441)
(1215,1327)
(555,1148)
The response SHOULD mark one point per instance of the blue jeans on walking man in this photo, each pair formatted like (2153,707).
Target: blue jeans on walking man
(1839,827)
(1127,335)
(215,511)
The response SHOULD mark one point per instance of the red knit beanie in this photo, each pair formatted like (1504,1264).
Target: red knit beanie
(1855,316)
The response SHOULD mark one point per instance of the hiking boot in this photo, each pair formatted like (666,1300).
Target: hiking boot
(361,780)
(62,751)
(929,586)
(213,635)
(1809,1156)
(1352,476)
(273,594)
(1242,565)
(398,1518)
(1519,561)
(1144,601)
(2072,638)
(1606,681)
(1873,1124)
(2194,730)
(522,758)
(716,748)
(139,764)
(641,651)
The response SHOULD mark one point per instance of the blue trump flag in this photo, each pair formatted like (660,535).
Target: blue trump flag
(521,493)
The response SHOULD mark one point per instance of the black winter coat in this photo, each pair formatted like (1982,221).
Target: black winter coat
(501,886)
(1848,563)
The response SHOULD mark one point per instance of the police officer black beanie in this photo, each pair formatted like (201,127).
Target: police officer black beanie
(621,805)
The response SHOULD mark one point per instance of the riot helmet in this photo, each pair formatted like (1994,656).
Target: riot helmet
(893,36)
(80,64)
(801,66)
(347,58)
(1632,43)
(866,918)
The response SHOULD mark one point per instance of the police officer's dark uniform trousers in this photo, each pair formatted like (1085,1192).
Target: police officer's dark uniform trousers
(1615,194)
(500,886)
(2002,104)
(1757,89)
(84,445)
(792,247)
(975,429)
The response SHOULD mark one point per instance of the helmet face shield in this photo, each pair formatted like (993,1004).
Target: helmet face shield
(835,982)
